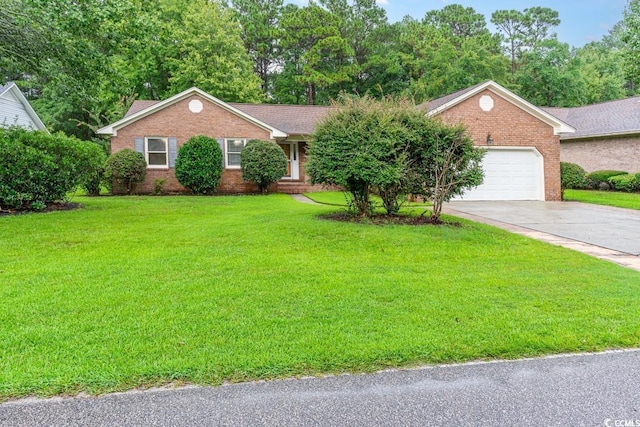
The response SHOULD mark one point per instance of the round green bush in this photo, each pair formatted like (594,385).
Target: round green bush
(628,183)
(40,168)
(263,162)
(127,168)
(199,165)
(572,176)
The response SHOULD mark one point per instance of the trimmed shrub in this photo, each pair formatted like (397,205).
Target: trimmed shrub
(572,176)
(263,162)
(40,168)
(158,186)
(627,183)
(94,183)
(127,168)
(594,179)
(199,165)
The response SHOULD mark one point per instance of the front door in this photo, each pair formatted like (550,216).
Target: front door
(291,151)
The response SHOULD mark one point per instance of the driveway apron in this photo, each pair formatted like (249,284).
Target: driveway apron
(608,227)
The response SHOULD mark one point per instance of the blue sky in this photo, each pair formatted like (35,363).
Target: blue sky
(582,20)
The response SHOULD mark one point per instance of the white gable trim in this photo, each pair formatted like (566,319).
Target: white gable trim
(13,89)
(559,127)
(113,128)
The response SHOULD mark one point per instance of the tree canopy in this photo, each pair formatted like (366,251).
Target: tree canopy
(83,63)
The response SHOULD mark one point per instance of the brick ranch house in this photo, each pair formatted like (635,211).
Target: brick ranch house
(522,140)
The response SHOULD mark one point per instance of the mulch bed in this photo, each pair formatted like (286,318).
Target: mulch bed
(52,207)
(381,219)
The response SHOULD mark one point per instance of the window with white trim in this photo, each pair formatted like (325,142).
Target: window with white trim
(156,151)
(233,147)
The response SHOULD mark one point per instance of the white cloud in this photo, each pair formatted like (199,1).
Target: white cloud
(382,1)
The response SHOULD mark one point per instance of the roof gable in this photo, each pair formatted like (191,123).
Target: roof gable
(439,105)
(12,94)
(146,108)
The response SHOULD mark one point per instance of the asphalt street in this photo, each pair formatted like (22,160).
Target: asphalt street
(577,390)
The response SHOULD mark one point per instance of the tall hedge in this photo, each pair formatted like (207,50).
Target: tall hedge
(263,162)
(38,168)
(199,164)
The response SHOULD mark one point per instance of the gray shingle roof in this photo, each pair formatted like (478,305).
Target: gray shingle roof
(138,106)
(607,118)
(292,119)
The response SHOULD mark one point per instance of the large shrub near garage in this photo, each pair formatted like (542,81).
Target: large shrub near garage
(38,168)
(392,148)
(443,162)
(126,168)
(263,162)
(199,165)
(572,176)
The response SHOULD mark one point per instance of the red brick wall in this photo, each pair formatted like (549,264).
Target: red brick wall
(603,154)
(177,121)
(511,126)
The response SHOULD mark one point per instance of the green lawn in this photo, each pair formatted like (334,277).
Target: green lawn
(140,291)
(609,198)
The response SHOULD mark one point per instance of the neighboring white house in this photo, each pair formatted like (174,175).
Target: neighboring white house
(15,110)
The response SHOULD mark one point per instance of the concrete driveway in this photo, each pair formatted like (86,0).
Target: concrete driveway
(614,229)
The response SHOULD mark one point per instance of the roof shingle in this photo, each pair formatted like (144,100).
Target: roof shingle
(138,106)
(292,119)
(607,118)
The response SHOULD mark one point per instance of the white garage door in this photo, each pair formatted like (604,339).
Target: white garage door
(510,174)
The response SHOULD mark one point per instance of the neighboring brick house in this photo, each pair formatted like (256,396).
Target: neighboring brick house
(522,141)
(607,136)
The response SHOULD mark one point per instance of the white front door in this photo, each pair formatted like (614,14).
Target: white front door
(291,151)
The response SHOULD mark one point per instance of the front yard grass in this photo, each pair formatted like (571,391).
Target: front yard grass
(141,291)
(608,198)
